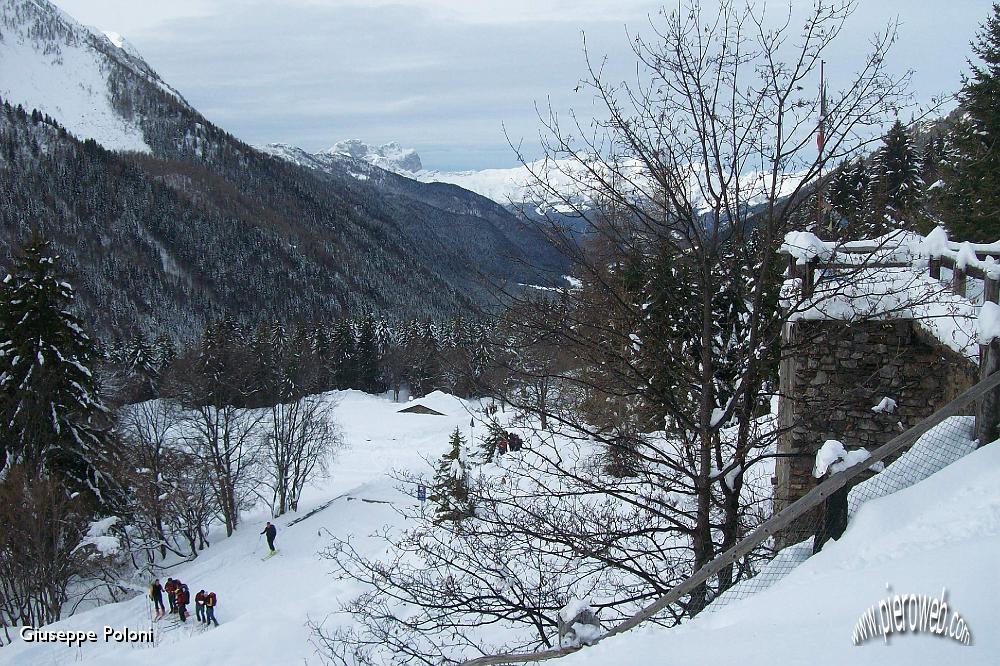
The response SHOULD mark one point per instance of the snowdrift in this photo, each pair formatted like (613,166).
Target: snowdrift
(264,607)
(940,534)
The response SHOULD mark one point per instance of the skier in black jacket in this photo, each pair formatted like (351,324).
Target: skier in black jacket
(156,594)
(270,531)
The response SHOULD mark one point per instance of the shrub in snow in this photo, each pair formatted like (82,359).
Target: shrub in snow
(98,537)
(53,547)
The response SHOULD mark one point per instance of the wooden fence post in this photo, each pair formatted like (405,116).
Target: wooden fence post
(986,408)
(809,278)
(958,280)
(934,267)
(793,268)
(991,289)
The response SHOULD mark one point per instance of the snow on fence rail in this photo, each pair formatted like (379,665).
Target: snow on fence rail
(900,249)
(913,455)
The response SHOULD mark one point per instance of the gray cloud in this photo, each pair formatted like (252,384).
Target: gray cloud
(441,76)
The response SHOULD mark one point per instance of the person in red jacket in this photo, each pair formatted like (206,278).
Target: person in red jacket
(210,601)
(171,589)
(183,598)
(199,606)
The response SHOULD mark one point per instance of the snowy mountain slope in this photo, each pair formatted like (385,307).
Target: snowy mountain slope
(264,606)
(942,533)
(504,186)
(197,203)
(50,62)
(501,242)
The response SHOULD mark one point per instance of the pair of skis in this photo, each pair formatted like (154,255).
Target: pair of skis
(269,555)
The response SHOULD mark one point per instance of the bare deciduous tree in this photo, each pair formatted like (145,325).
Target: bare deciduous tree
(226,443)
(686,186)
(40,547)
(299,439)
(148,429)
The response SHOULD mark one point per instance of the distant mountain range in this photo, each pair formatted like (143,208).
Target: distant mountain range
(509,187)
(518,187)
(167,221)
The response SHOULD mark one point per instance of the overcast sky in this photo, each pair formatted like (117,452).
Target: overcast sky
(441,76)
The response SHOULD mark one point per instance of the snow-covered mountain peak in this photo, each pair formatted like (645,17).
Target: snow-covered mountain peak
(115,38)
(84,78)
(389,156)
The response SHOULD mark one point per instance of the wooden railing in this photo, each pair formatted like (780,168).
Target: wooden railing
(959,276)
(988,408)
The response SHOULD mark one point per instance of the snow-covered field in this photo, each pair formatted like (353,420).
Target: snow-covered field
(264,606)
(941,533)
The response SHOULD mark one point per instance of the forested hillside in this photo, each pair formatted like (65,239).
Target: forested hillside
(196,224)
(169,244)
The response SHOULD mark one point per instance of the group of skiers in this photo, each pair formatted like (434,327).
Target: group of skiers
(509,441)
(179,597)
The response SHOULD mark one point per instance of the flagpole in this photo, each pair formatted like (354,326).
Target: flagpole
(820,141)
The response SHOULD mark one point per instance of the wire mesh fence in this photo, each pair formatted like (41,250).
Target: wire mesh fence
(794,543)
(791,536)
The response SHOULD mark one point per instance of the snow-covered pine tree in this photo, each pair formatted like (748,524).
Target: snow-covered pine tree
(423,354)
(344,356)
(490,444)
(450,493)
(140,369)
(849,194)
(367,361)
(899,184)
(166,352)
(972,169)
(51,416)
(322,348)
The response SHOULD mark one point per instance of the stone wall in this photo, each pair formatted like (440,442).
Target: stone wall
(837,372)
